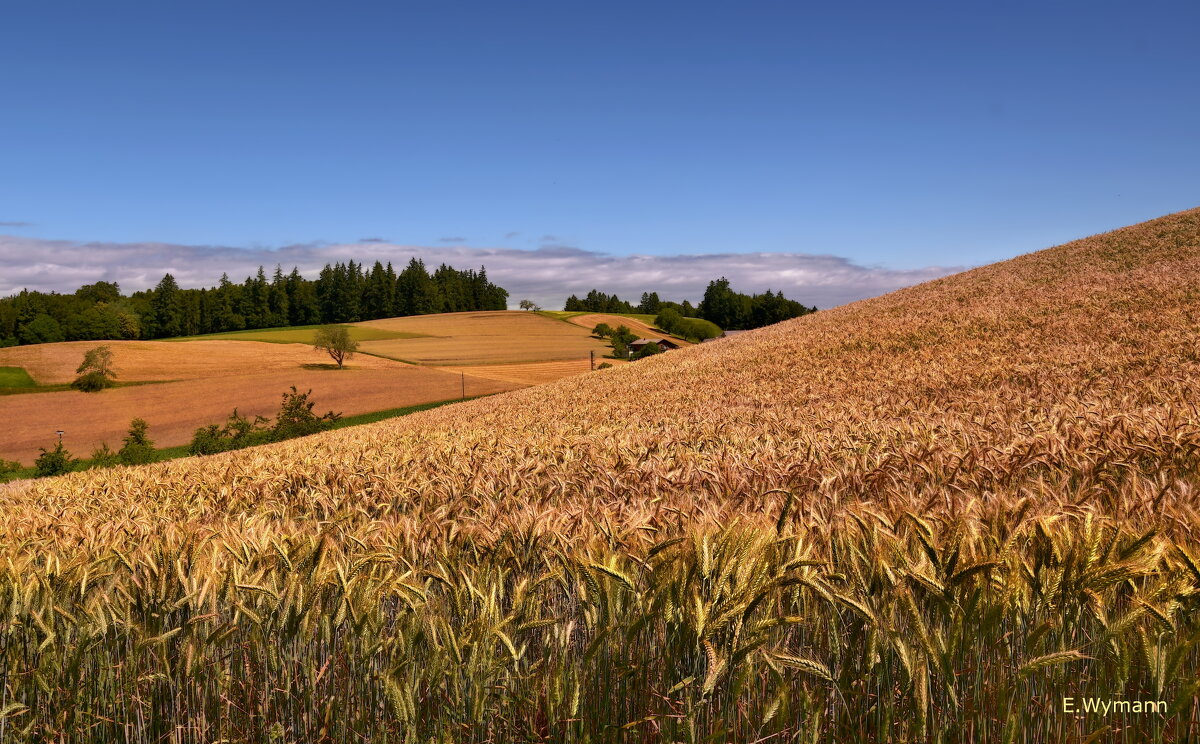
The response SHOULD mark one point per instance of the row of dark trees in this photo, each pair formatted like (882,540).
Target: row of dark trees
(343,293)
(721,305)
(737,311)
(599,302)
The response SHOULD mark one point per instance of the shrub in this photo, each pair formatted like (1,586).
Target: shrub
(603,330)
(96,371)
(604,365)
(104,457)
(138,448)
(668,320)
(238,432)
(697,329)
(692,329)
(89,383)
(54,462)
(8,467)
(296,417)
(624,335)
(647,350)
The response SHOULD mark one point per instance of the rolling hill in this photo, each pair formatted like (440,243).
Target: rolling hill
(199,380)
(933,514)
(479,338)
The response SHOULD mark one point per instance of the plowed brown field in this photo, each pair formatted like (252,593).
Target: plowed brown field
(142,361)
(175,410)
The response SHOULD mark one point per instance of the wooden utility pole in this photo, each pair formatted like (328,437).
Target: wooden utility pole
(593,359)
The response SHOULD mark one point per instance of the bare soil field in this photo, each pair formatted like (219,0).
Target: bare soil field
(175,410)
(643,330)
(493,337)
(146,361)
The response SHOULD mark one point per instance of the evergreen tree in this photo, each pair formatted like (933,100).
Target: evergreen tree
(650,303)
(302,300)
(166,310)
(277,299)
(223,316)
(416,292)
(377,301)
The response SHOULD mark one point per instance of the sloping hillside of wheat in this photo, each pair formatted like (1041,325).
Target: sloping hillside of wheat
(931,514)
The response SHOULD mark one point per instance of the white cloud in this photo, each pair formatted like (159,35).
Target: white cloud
(546,275)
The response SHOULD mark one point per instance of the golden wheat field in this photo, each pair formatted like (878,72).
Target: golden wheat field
(930,516)
(489,337)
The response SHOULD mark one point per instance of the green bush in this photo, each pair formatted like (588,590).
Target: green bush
(96,371)
(692,329)
(54,462)
(604,365)
(668,320)
(624,335)
(647,350)
(138,448)
(238,432)
(296,418)
(104,457)
(92,382)
(8,467)
(603,330)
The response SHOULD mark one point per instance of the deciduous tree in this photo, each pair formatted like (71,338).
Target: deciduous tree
(335,341)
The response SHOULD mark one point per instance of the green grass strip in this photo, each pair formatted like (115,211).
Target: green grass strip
(15,377)
(298,334)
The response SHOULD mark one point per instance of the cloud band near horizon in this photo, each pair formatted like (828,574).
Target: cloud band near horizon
(547,275)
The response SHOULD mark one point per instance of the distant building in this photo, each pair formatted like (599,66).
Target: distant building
(663,344)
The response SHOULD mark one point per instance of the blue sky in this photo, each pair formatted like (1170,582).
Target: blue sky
(895,137)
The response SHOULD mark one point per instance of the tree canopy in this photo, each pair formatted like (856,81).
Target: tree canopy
(337,342)
(342,293)
(96,371)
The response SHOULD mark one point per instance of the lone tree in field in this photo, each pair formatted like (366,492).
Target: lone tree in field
(96,372)
(336,341)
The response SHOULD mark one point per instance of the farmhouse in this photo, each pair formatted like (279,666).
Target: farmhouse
(663,344)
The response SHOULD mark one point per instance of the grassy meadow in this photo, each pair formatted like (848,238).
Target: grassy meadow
(15,377)
(926,517)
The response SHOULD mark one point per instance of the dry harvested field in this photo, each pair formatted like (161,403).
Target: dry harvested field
(493,337)
(139,361)
(643,330)
(928,516)
(533,373)
(174,410)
